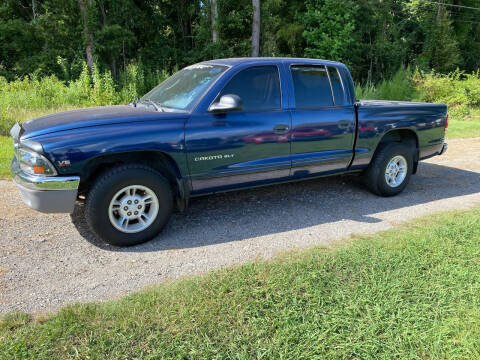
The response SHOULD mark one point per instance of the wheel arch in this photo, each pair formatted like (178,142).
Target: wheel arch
(158,160)
(402,135)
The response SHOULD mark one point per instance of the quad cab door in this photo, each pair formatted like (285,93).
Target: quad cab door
(244,147)
(323,122)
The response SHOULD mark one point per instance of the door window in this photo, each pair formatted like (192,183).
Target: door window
(311,86)
(337,86)
(258,87)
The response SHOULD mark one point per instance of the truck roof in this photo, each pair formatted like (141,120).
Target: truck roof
(259,60)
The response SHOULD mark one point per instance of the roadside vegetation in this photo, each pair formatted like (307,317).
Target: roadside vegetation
(413,292)
(6,154)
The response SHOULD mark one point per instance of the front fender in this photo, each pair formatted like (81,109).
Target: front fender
(71,150)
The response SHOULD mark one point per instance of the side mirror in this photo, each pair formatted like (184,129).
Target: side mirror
(226,103)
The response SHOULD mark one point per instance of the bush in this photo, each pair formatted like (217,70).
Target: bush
(400,87)
(136,81)
(103,92)
(454,89)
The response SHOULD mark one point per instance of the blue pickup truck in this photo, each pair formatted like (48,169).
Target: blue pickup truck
(216,126)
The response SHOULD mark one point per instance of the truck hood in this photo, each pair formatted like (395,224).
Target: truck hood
(94,116)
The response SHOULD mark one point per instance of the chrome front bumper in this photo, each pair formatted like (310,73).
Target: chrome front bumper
(48,194)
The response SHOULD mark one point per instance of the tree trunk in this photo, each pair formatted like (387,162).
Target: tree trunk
(214,21)
(34,10)
(87,33)
(256,28)
(112,60)
(113,68)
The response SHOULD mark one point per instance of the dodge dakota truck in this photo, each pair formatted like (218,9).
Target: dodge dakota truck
(216,126)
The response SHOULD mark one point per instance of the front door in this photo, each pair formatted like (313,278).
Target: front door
(246,147)
(323,125)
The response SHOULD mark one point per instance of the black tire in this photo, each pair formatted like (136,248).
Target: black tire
(104,189)
(375,174)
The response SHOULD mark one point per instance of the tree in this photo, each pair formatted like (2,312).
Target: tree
(87,32)
(214,20)
(256,28)
(281,28)
(329,28)
(441,50)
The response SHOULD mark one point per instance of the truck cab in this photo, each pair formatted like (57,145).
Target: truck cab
(296,119)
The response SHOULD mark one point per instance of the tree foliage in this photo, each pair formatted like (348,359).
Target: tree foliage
(329,28)
(374,37)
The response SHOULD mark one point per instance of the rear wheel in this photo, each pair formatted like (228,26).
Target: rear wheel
(390,169)
(128,205)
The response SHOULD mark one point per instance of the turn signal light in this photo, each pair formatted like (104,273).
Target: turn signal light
(38,170)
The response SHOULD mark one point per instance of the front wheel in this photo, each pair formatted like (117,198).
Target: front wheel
(128,205)
(389,172)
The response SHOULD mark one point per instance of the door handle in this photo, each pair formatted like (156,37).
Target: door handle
(219,123)
(281,129)
(344,124)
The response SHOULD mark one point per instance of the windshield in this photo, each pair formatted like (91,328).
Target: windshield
(182,90)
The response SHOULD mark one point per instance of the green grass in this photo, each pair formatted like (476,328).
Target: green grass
(6,145)
(409,293)
(467,127)
(6,154)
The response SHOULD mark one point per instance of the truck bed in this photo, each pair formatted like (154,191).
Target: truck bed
(377,117)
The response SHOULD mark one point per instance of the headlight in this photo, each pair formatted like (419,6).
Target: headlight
(33,163)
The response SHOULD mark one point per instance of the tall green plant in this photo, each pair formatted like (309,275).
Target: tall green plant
(400,87)
(103,88)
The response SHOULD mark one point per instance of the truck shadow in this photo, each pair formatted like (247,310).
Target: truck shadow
(240,215)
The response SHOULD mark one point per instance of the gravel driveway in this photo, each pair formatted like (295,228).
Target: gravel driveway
(46,261)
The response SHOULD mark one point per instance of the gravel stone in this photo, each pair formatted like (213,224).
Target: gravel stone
(47,261)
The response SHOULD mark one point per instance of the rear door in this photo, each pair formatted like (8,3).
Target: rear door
(323,123)
(243,147)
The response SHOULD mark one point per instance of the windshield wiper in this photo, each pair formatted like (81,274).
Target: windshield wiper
(153,103)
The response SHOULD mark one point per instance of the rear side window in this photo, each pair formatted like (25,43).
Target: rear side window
(258,87)
(337,87)
(311,86)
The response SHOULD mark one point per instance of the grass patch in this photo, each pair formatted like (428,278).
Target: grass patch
(410,293)
(6,155)
(466,126)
